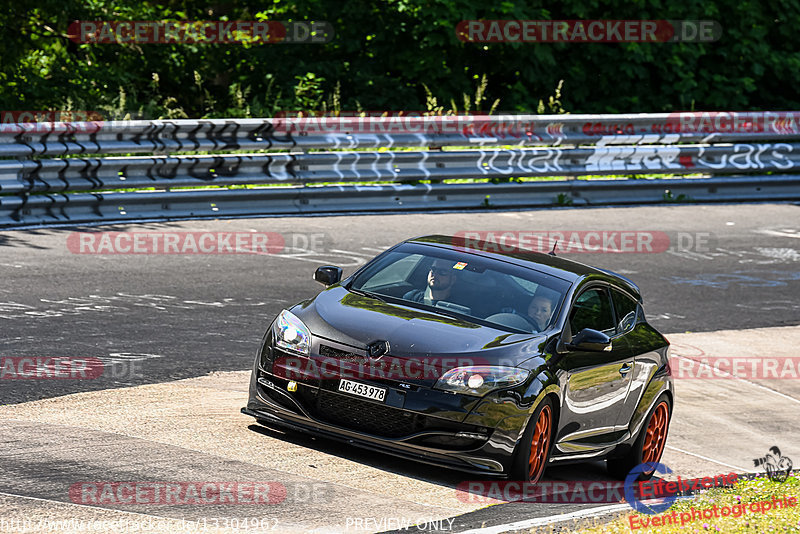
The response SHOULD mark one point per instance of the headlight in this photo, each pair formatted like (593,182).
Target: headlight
(291,334)
(479,380)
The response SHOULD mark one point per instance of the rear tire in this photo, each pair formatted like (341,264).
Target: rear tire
(533,450)
(649,446)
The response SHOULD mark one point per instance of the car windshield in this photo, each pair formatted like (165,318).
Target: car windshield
(481,289)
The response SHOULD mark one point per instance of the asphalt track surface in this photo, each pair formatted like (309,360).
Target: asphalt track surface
(176,334)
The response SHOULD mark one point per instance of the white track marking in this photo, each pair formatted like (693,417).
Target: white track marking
(711,459)
(337,251)
(315,257)
(784,254)
(689,254)
(539,521)
(354,258)
(788,232)
(734,377)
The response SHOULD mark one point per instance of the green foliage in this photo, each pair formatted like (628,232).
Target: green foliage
(553,103)
(680,199)
(563,200)
(398,55)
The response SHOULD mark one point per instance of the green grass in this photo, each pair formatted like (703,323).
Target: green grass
(744,492)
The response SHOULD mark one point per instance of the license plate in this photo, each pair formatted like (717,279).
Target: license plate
(363,390)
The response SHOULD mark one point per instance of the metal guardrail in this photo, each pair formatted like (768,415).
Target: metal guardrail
(332,133)
(60,172)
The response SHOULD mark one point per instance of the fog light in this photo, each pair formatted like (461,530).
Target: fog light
(292,386)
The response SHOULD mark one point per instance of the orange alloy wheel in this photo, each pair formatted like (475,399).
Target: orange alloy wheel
(540,444)
(656,435)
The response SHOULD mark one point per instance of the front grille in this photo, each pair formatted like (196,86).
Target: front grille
(360,415)
(329,352)
(365,416)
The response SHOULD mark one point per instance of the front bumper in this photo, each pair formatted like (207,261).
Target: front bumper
(458,432)
(476,466)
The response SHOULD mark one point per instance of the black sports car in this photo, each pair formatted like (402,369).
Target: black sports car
(455,353)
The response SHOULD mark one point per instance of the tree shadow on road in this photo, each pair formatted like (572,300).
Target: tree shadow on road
(590,471)
(16,239)
(28,237)
(375,459)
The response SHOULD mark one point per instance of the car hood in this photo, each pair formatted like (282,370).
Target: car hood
(351,319)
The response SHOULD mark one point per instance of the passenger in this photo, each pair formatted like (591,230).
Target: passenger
(539,311)
(441,278)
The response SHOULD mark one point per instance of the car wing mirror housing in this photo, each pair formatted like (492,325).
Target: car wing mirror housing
(328,275)
(590,340)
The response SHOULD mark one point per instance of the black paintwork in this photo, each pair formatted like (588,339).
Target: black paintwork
(600,407)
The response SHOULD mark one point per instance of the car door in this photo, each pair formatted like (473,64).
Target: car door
(594,384)
(647,349)
(626,313)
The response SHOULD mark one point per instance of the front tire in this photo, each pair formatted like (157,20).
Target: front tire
(534,447)
(649,446)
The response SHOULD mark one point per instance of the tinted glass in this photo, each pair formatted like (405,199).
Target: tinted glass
(592,309)
(494,292)
(625,307)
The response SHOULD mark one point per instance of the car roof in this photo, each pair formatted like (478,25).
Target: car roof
(563,268)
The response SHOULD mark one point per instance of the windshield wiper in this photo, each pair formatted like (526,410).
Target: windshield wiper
(367,294)
(448,313)
(437,309)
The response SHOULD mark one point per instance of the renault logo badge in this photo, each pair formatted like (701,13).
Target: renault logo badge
(376,349)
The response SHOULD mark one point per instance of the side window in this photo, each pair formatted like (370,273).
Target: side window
(626,311)
(592,309)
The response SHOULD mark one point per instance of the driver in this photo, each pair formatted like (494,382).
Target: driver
(441,278)
(539,311)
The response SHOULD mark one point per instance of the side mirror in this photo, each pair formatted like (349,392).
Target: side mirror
(590,340)
(328,275)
